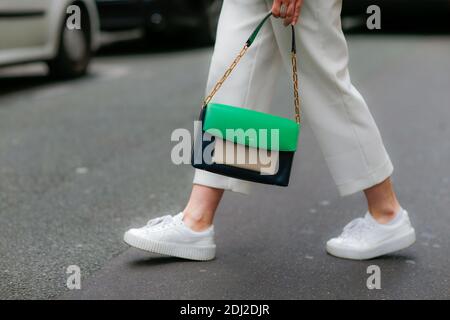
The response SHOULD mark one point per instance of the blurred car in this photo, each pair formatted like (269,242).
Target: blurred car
(35,30)
(152,16)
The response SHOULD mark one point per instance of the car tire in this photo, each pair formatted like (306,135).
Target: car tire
(211,13)
(74,52)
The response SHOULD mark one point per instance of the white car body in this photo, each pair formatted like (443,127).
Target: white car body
(30,29)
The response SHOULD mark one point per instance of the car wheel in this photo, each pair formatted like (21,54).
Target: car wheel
(74,52)
(211,19)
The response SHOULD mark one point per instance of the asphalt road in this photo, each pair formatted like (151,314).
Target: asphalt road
(82,161)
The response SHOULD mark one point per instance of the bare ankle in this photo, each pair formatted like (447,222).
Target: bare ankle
(384,214)
(382,201)
(201,207)
(196,222)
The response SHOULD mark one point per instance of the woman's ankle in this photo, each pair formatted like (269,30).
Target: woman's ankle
(382,201)
(197,221)
(201,207)
(385,214)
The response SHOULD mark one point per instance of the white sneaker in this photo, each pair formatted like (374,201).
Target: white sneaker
(365,238)
(170,236)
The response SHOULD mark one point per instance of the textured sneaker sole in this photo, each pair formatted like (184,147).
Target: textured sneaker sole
(400,242)
(198,253)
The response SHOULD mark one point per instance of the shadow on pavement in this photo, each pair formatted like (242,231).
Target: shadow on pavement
(13,83)
(154,260)
(396,257)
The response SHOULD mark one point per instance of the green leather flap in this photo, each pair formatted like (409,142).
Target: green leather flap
(246,127)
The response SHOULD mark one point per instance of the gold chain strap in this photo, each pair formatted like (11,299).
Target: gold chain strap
(234,64)
(295,81)
(225,76)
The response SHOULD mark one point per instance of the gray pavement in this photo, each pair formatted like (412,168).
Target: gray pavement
(82,161)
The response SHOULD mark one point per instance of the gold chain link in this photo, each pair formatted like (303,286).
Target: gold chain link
(234,64)
(295,81)
(225,76)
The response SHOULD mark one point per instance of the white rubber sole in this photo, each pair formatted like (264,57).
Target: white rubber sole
(190,252)
(397,243)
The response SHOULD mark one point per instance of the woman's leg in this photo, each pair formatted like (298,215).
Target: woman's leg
(336,112)
(201,207)
(250,86)
(190,233)
(382,201)
(346,132)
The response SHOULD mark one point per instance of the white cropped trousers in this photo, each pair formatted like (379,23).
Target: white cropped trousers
(338,115)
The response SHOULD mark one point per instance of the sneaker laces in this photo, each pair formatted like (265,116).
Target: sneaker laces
(160,221)
(356,229)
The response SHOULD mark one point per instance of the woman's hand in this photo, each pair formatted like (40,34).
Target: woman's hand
(289,10)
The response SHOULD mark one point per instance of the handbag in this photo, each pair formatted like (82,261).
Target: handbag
(247,144)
